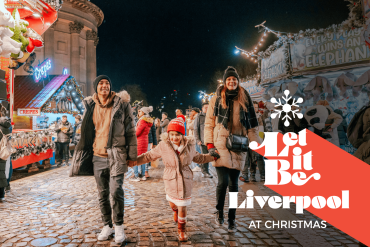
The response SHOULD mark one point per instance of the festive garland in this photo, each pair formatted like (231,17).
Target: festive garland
(27,143)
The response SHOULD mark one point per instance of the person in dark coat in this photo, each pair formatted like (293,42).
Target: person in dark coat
(199,123)
(5,125)
(76,136)
(64,132)
(108,145)
(164,122)
(77,130)
(342,130)
(157,124)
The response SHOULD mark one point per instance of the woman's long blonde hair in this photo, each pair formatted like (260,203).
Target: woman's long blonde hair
(242,98)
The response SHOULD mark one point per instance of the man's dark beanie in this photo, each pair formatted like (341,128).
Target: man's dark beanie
(98,79)
(231,71)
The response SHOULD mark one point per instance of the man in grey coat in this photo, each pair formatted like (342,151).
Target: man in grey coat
(108,145)
(64,132)
(164,122)
(199,137)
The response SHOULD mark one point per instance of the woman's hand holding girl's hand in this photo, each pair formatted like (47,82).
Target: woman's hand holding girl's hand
(213,150)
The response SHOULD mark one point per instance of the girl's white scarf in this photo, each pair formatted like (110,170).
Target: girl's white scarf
(178,148)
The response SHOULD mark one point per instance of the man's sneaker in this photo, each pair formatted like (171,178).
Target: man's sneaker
(60,164)
(262,178)
(219,217)
(119,234)
(105,233)
(207,175)
(2,200)
(252,178)
(232,226)
(135,179)
(66,163)
(143,178)
(197,169)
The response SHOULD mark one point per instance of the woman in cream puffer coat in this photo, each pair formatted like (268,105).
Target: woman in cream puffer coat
(230,110)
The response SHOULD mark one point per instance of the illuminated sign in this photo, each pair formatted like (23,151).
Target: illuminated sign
(28,112)
(41,71)
(65,71)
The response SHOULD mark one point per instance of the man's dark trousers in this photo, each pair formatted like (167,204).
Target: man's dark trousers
(108,185)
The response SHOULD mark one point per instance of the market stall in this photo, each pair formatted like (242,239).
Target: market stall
(22,24)
(329,64)
(38,107)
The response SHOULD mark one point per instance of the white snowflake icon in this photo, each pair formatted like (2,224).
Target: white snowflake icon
(287,108)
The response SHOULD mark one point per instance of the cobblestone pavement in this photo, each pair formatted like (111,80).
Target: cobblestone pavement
(52,209)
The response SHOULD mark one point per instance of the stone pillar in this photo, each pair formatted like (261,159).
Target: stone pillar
(92,41)
(49,46)
(75,28)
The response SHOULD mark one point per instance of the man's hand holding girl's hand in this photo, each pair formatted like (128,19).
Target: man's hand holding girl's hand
(131,163)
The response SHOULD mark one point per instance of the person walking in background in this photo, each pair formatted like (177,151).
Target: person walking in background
(9,166)
(108,145)
(179,114)
(164,122)
(230,112)
(261,124)
(158,129)
(152,144)
(199,137)
(76,136)
(64,132)
(77,130)
(190,122)
(190,125)
(143,127)
(5,125)
(177,152)
(342,130)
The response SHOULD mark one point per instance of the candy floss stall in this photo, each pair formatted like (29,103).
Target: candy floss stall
(329,64)
(22,22)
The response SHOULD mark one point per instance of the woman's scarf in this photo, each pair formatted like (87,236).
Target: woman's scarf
(248,118)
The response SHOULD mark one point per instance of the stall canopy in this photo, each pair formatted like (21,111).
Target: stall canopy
(60,95)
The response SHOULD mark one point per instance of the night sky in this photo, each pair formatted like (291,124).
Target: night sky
(178,45)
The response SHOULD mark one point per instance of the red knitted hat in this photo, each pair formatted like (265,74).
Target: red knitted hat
(176,125)
(181,116)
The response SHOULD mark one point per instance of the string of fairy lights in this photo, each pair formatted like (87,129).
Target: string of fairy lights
(253,53)
(288,37)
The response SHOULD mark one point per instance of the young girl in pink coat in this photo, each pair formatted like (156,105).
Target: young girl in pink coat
(177,152)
